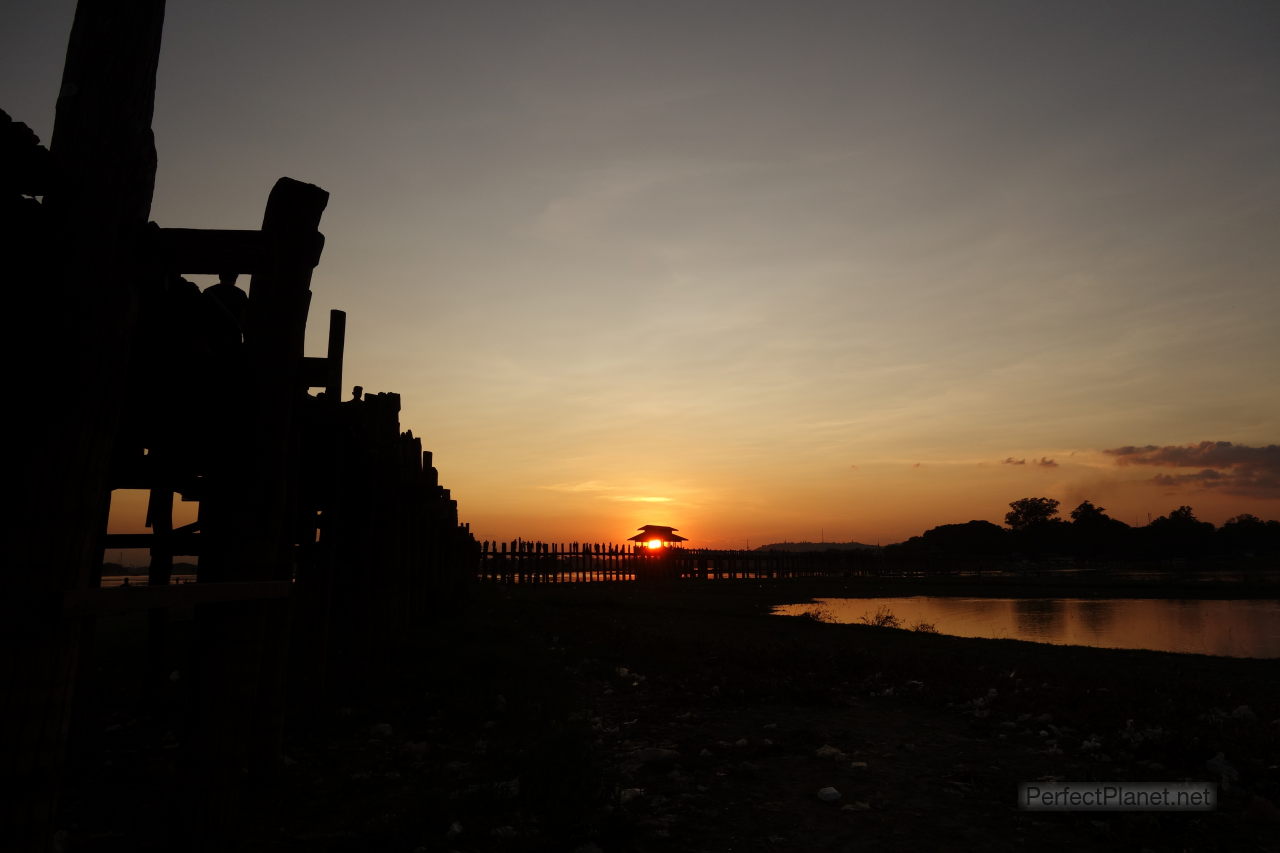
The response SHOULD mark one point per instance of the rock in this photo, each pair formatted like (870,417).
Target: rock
(858,765)
(828,751)
(380,730)
(653,756)
(626,795)
(1244,712)
(740,742)
(705,753)
(857,806)
(455,829)
(829,795)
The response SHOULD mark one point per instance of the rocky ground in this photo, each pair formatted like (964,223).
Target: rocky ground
(618,717)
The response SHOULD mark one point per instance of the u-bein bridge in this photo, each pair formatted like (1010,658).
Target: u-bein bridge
(322,532)
(548,562)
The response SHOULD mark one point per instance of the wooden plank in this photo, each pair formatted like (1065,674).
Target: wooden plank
(334,354)
(160,572)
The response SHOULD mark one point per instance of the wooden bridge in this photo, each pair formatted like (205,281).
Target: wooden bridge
(136,379)
(522,561)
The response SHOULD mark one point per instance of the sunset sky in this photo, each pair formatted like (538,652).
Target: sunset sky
(762,270)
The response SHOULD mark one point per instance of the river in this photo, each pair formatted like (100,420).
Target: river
(1234,628)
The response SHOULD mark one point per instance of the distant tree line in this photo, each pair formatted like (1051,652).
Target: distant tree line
(807,547)
(1035,530)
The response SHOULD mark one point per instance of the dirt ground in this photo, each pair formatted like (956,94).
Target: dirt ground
(621,717)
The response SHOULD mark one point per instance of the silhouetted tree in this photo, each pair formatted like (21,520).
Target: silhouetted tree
(1246,535)
(1035,530)
(1088,513)
(1028,512)
(1179,534)
(1096,534)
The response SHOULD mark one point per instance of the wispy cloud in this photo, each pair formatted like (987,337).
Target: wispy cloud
(1009,460)
(607,491)
(1046,462)
(1237,469)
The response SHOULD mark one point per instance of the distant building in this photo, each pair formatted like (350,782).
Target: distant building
(657,536)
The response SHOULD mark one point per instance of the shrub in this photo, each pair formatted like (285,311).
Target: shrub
(882,618)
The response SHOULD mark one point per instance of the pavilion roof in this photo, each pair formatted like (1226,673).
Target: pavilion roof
(657,531)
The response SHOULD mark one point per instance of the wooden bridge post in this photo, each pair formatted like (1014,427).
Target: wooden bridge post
(75,330)
(159,573)
(246,520)
(311,640)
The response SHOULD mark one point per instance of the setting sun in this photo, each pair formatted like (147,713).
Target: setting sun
(654,543)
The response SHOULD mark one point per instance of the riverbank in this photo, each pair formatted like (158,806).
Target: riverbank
(624,717)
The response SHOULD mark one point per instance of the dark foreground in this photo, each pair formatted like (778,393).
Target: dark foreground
(624,718)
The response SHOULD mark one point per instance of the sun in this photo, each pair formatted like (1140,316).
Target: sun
(654,544)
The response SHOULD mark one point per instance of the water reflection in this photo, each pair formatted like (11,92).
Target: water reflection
(1096,615)
(1235,628)
(1039,617)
